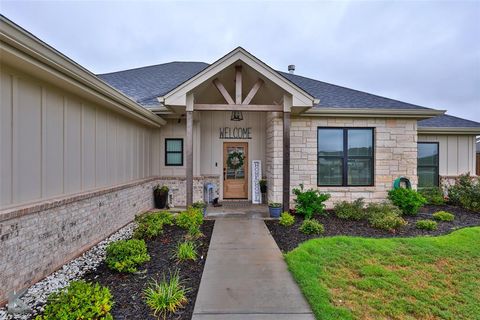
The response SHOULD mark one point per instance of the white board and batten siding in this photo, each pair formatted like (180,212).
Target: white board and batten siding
(456,153)
(53,143)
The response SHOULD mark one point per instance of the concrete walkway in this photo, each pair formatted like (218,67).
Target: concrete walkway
(245,276)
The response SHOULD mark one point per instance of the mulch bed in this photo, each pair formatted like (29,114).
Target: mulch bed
(288,238)
(127,289)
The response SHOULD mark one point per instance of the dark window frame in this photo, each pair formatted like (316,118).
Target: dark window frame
(345,158)
(174,152)
(437,166)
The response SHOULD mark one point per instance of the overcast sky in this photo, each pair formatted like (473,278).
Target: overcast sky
(423,52)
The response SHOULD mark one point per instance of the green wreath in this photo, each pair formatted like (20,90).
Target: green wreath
(235,160)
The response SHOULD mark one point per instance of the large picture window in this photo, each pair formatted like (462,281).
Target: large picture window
(427,164)
(174,152)
(345,156)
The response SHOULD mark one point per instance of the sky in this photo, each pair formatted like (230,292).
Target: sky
(422,52)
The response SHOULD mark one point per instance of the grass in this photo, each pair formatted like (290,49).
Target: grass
(409,278)
(186,250)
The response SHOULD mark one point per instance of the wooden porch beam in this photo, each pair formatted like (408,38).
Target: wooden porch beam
(238,85)
(223,91)
(253,91)
(238,107)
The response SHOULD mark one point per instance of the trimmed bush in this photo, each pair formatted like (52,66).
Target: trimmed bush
(186,250)
(466,192)
(151,224)
(426,225)
(408,200)
(310,226)
(191,218)
(384,216)
(166,297)
(350,210)
(80,300)
(126,255)
(443,216)
(433,195)
(286,219)
(309,202)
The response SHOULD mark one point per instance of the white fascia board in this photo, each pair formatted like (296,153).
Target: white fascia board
(373,112)
(449,130)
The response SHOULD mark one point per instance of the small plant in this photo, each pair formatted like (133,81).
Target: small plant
(162,189)
(80,300)
(275,205)
(309,202)
(350,210)
(408,200)
(443,216)
(151,224)
(190,220)
(426,225)
(466,192)
(166,297)
(310,226)
(433,195)
(126,255)
(384,216)
(199,205)
(286,219)
(263,185)
(186,250)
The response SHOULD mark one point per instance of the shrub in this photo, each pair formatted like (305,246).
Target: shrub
(80,300)
(275,205)
(151,225)
(443,216)
(286,219)
(466,192)
(408,200)
(199,205)
(186,251)
(384,216)
(166,297)
(309,202)
(350,210)
(126,255)
(310,226)
(426,225)
(433,195)
(190,220)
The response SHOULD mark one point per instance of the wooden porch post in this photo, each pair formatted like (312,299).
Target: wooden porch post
(287,106)
(189,150)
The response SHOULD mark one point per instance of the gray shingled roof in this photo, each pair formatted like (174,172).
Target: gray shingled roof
(448,121)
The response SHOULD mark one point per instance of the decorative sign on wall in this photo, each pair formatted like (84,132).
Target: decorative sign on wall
(256,176)
(235,133)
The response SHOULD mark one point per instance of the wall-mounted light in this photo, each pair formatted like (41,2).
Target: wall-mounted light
(236,116)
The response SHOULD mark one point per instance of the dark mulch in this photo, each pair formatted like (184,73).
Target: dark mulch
(288,238)
(127,289)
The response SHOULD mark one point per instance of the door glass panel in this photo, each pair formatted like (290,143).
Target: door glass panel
(238,173)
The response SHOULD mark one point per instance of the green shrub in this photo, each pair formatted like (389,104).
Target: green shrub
(310,226)
(443,216)
(286,219)
(151,224)
(408,200)
(426,225)
(199,205)
(433,195)
(309,202)
(166,297)
(80,300)
(350,210)
(384,216)
(192,217)
(466,192)
(126,255)
(186,250)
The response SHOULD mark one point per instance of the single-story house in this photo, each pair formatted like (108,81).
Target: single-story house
(81,153)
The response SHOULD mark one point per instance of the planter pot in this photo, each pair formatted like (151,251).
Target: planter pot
(160,199)
(274,212)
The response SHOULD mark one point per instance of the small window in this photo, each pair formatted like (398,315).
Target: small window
(427,164)
(345,157)
(174,152)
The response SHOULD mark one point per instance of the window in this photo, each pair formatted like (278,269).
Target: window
(345,157)
(427,164)
(174,152)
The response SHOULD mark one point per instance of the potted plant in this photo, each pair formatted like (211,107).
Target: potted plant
(200,205)
(160,196)
(275,209)
(263,189)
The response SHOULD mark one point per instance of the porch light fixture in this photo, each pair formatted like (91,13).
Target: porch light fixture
(236,116)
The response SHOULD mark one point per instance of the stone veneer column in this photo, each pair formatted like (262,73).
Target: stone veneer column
(274,156)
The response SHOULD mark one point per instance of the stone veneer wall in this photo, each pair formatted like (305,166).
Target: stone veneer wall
(37,239)
(274,156)
(395,155)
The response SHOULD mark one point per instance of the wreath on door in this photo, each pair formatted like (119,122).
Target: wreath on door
(235,160)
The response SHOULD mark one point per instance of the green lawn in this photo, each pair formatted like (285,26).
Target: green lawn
(409,278)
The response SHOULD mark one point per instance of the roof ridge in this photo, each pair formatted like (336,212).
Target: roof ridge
(149,66)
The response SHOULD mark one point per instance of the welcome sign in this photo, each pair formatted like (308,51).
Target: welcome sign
(235,133)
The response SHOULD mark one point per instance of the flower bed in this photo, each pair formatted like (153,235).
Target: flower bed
(289,238)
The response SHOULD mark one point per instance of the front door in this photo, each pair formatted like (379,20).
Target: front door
(235,172)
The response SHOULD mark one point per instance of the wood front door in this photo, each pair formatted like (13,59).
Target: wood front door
(235,180)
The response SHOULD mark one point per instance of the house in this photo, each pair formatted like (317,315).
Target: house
(81,153)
